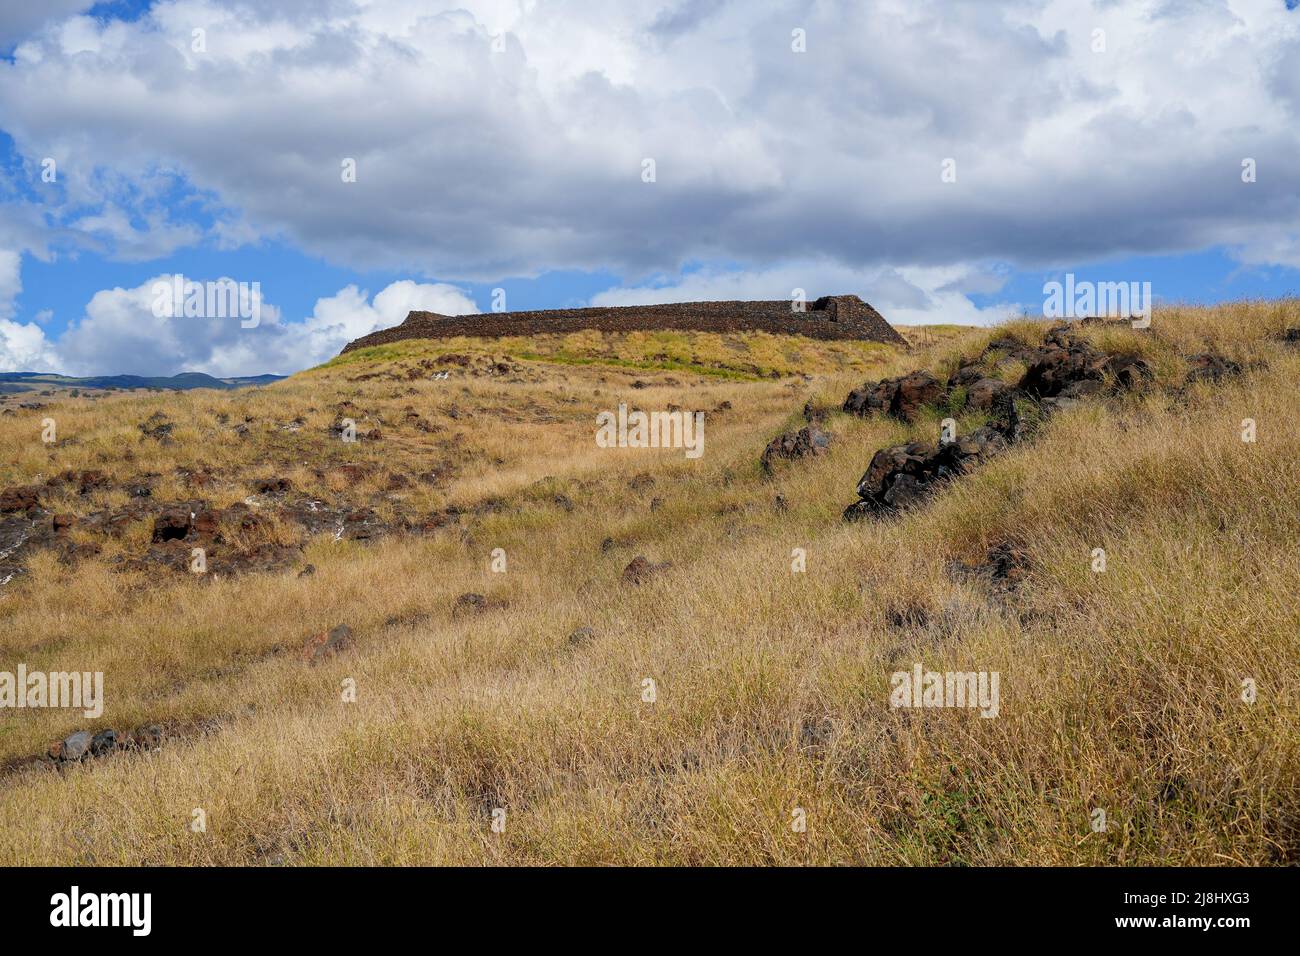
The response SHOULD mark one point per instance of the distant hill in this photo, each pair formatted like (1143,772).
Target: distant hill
(11,382)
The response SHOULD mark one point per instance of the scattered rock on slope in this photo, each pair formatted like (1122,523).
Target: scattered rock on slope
(1209,367)
(471,603)
(272,486)
(20,498)
(172,525)
(905,475)
(157,427)
(984,393)
(1069,367)
(807,442)
(328,644)
(1004,569)
(583,635)
(82,744)
(1064,367)
(901,397)
(83,482)
(75,745)
(641,569)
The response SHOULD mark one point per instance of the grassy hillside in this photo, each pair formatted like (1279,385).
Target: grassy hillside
(1120,690)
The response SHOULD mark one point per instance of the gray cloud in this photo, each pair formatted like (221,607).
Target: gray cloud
(18,20)
(475,164)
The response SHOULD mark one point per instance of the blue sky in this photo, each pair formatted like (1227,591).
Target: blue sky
(1194,277)
(499,147)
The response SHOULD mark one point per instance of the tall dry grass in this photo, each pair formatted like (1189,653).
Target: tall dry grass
(1120,691)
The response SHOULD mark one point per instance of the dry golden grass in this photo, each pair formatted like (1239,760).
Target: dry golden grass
(1119,691)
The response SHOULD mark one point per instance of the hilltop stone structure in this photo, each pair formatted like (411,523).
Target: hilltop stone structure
(830,317)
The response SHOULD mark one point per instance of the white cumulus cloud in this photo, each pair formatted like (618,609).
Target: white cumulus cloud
(23,345)
(24,348)
(504,139)
(906,296)
(120,331)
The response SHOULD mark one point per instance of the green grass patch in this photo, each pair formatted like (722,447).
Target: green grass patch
(669,365)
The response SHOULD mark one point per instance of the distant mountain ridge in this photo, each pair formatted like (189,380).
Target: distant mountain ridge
(29,381)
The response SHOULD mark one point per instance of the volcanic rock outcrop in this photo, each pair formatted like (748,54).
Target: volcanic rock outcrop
(1064,369)
(904,475)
